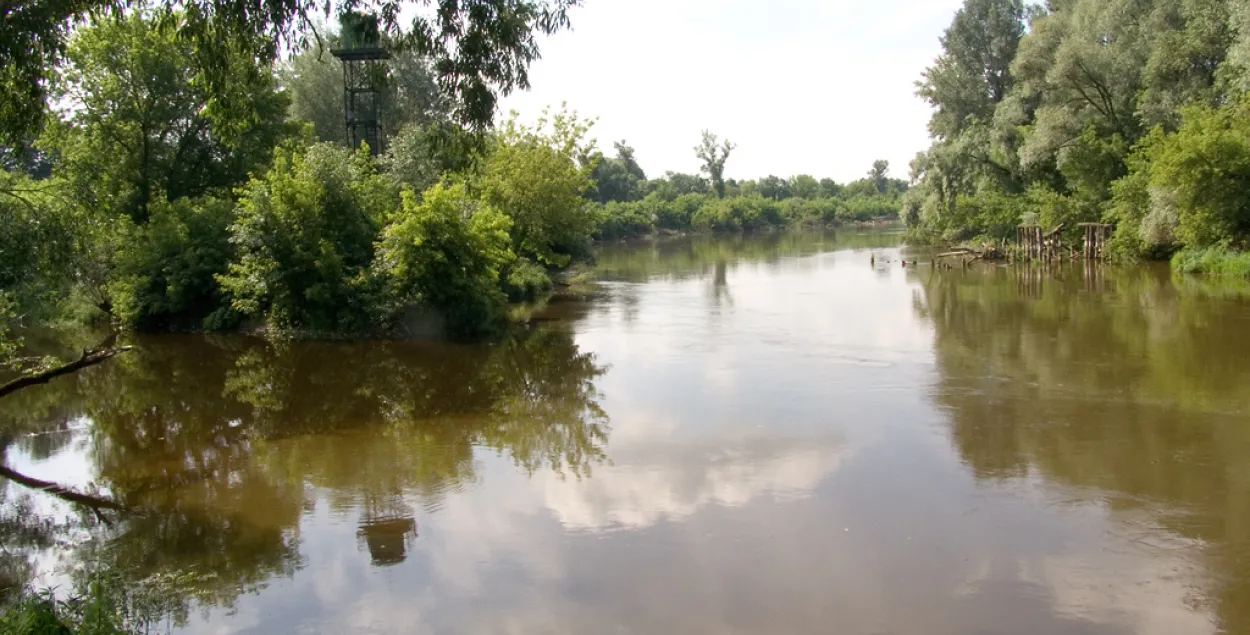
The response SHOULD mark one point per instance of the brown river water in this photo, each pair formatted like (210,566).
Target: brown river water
(764,435)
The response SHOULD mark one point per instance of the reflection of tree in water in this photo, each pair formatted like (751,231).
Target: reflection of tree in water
(219,445)
(720,285)
(1139,394)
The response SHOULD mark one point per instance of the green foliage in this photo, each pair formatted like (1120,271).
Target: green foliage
(304,240)
(101,604)
(770,203)
(1213,261)
(141,123)
(165,271)
(525,280)
(621,220)
(37,242)
(446,252)
(1115,110)
(617,179)
(675,184)
(533,176)
(1205,167)
(477,50)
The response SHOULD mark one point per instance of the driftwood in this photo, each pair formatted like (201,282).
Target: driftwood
(62,493)
(89,358)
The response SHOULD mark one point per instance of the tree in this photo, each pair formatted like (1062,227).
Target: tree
(617,179)
(479,49)
(879,175)
(446,252)
(535,177)
(973,73)
(304,239)
(774,187)
(805,186)
(713,157)
(141,124)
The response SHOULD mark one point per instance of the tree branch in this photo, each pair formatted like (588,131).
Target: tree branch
(94,502)
(89,358)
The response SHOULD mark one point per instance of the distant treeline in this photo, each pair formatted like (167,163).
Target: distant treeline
(630,205)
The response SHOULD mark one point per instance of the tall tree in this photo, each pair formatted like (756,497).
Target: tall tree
(973,74)
(879,175)
(619,178)
(139,122)
(713,154)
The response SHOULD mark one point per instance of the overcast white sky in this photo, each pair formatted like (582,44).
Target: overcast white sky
(821,87)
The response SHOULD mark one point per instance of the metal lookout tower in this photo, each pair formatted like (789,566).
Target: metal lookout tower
(364,73)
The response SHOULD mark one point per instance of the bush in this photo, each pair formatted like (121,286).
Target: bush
(1218,262)
(1201,171)
(165,271)
(305,236)
(446,253)
(534,177)
(871,207)
(525,280)
(622,220)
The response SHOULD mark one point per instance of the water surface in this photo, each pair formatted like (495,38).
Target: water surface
(782,434)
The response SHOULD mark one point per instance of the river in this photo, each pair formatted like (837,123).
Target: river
(783,434)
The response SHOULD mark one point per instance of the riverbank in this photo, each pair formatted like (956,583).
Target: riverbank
(1214,262)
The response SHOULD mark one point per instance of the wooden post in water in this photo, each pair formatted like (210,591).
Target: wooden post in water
(1096,237)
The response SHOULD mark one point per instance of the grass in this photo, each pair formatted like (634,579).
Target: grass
(1213,261)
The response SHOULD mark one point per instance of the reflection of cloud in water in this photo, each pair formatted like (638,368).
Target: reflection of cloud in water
(646,487)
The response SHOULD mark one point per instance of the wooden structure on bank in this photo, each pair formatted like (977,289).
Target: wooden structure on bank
(1096,237)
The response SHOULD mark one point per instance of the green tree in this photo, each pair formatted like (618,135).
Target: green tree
(165,271)
(774,187)
(304,239)
(805,186)
(879,175)
(140,123)
(619,178)
(534,176)
(446,252)
(713,153)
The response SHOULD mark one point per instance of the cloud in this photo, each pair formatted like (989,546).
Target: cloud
(670,484)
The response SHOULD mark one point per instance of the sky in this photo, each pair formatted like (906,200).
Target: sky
(820,87)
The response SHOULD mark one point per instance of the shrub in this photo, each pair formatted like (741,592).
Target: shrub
(525,280)
(622,220)
(1212,261)
(534,177)
(446,252)
(305,236)
(165,271)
